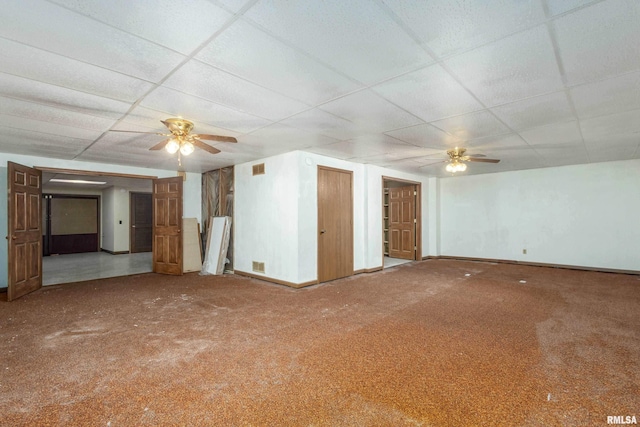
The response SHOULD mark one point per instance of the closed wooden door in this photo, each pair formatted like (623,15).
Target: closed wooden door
(335,224)
(141,218)
(25,230)
(167,224)
(402,222)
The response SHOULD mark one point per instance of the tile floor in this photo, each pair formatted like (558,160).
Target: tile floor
(93,265)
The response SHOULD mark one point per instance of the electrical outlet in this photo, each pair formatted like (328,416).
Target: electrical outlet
(524,251)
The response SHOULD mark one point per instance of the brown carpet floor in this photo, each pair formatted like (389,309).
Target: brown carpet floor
(433,343)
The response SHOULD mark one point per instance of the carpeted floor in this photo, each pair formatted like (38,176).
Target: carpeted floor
(433,343)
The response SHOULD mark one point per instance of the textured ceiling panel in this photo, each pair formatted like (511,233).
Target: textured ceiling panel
(609,96)
(426,136)
(600,41)
(370,112)
(450,27)
(82,38)
(56,96)
(22,60)
(355,37)
(250,53)
(471,126)
(45,113)
(166,22)
(536,83)
(34,143)
(536,111)
(175,103)
(557,134)
(197,78)
(323,123)
(430,94)
(513,68)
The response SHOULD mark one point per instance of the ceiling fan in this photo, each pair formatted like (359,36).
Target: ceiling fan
(457,159)
(181,138)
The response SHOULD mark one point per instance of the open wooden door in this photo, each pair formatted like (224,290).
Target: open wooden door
(402,222)
(335,224)
(167,224)
(24,230)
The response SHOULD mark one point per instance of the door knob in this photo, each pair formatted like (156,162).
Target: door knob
(323,231)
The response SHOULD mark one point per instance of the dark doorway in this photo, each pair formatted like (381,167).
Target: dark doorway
(71,224)
(141,216)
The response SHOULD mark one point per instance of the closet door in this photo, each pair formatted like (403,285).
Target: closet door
(167,225)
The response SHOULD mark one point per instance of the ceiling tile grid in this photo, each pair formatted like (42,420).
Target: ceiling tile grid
(391,82)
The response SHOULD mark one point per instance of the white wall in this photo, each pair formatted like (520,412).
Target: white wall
(108,219)
(115,219)
(583,215)
(276,215)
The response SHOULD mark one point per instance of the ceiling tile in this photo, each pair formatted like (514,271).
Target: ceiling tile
(558,7)
(233,5)
(615,124)
(25,61)
(516,67)
(472,126)
(166,22)
(609,96)
(599,41)
(34,21)
(45,113)
(450,27)
(252,54)
(323,123)
(563,156)
(557,134)
(39,144)
(537,111)
(56,96)
(497,144)
(281,137)
(427,136)
(370,48)
(430,93)
(361,147)
(178,104)
(197,78)
(613,147)
(40,126)
(370,112)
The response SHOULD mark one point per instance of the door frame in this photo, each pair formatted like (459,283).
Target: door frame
(133,194)
(417,256)
(350,173)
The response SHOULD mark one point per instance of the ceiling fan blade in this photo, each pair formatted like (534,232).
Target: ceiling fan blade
(473,159)
(215,138)
(203,146)
(160,145)
(135,131)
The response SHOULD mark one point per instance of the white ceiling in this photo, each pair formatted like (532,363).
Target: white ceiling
(394,83)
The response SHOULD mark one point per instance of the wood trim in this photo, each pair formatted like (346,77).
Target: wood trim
(535,264)
(374,269)
(418,207)
(360,271)
(278,281)
(92,173)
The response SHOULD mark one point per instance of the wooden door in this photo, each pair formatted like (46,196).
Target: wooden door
(24,231)
(167,224)
(335,224)
(141,220)
(402,222)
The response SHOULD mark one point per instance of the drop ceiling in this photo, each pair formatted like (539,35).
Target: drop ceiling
(392,83)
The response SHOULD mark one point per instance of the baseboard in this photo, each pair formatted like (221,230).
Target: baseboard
(535,264)
(116,252)
(278,281)
(373,270)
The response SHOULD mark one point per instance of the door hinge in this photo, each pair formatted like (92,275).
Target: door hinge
(415,193)
(415,248)
(415,220)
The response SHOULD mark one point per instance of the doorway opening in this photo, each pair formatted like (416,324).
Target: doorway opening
(401,221)
(87,208)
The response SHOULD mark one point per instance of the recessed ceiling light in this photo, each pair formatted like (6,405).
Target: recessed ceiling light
(77,181)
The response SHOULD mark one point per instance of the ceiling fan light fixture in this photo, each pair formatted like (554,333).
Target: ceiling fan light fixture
(172,146)
(186,148)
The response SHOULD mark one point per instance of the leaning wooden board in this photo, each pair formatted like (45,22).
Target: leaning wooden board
(192,258)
